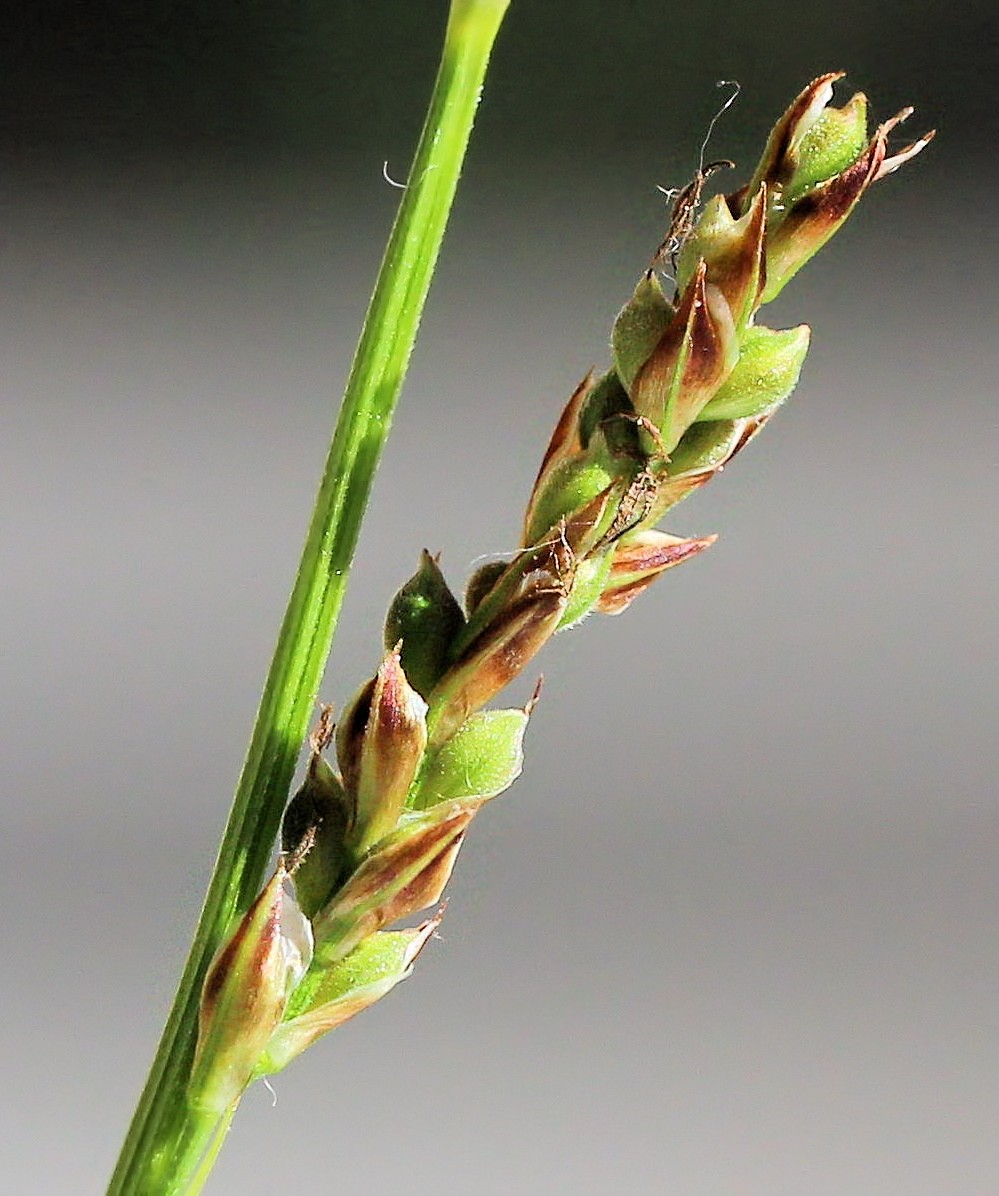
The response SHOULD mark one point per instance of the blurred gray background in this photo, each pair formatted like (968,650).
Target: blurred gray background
(734,931)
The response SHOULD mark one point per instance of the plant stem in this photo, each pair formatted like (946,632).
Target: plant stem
(170,1146)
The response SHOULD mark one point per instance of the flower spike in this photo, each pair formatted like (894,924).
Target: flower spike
(694,378)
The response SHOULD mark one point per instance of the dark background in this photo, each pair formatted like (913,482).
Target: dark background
(733,932)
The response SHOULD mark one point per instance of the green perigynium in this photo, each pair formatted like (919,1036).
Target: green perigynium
(424,618)
(353,983)
(763,377)
(480,760)
(694,379)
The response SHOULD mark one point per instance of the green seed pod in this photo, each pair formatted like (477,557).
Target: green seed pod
(765,374)
(809,221)
(639,327)
(780,156)
(816,167)
(481,759)
(347,988)
(588,584)
(706,447)
(834,141)
(321,809)
(425,617)
(568,488)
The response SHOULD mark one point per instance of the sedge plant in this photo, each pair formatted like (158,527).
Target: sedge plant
(394,780)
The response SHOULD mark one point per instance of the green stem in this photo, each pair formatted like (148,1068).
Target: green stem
(217,1136)
(183,1169)
(167,1141)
